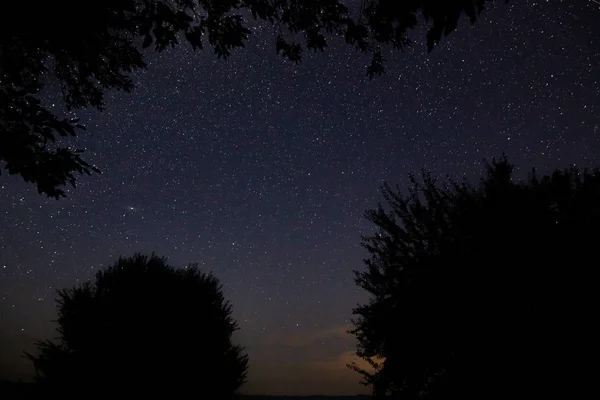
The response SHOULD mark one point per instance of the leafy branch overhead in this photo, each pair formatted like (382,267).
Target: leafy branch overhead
(99,48)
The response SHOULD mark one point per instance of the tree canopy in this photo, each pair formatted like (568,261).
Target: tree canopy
(143,328)
(90,47)
(481,291)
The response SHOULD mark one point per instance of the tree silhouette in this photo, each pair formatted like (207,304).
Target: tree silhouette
(99,43)
(481,291)
(143,328)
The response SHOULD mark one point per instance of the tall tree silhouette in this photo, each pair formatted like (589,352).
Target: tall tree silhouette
(89,47)
(481,291)
(143,328)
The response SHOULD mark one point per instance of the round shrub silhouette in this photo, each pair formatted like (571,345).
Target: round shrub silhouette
(143,328)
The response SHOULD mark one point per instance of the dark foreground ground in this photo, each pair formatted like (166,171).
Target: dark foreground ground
(362,397)
(24,391)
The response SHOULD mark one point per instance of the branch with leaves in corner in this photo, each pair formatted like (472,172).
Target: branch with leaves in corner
(99,49)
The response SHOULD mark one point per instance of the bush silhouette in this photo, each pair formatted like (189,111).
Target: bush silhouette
(482,291)
(143,328)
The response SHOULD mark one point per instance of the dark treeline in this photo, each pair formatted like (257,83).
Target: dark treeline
(25,391)
(482,291)
(477,291)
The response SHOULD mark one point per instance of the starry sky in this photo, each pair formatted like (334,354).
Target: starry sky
(261,171)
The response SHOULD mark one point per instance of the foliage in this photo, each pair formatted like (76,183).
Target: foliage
(480,290)
(91,47)
(143,327)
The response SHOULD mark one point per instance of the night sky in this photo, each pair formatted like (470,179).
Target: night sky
(261,171)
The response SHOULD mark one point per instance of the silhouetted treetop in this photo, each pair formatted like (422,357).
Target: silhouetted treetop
(93,46)
(481,291)
(143,327)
